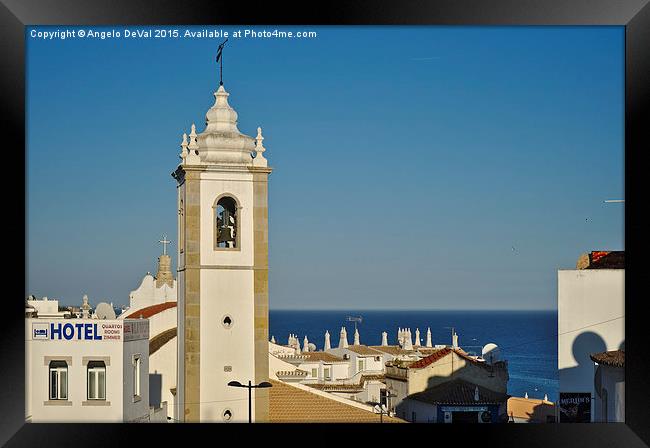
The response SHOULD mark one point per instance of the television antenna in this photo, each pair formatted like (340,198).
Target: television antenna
(354,319)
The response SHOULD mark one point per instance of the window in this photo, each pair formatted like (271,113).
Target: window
(360,362)
(328,375)
(136,376)
(226,226)
(58,380)
(96,380)
(314,373)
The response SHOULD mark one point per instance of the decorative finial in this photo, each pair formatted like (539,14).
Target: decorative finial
(184,146)
(259,159)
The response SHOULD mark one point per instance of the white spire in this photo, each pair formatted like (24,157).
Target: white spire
(305,345)
(454,340)
(429,344)
(356,337)
(384,338)
(184,147)
(417,337)
(328,345)
(399,336)
(526,395)
(192,156)
(343,340)
(545,397)
(259,159)
(273,339)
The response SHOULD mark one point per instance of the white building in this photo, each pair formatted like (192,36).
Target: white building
(44,308)
(609,386)
(155,300)
(222,270)
(86,370)
(591,310)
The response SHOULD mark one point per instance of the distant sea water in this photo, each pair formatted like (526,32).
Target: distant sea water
(527,339)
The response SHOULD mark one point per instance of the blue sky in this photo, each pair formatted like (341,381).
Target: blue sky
(408,161)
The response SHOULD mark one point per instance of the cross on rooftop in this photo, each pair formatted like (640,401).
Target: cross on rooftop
(164,242)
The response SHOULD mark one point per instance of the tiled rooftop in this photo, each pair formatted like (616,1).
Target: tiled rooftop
(458,391)
(364,350)
(322,356)
(151,310)
(161,339)
(615,358)
(439,354)
(289,404)
(391,349)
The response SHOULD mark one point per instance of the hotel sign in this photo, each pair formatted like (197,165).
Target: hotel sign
(77,331)
(96,331)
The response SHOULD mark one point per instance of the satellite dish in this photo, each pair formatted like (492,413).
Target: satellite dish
(490,353)
(104,311)
(312,347)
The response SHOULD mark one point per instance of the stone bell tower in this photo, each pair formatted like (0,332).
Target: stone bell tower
(222,270)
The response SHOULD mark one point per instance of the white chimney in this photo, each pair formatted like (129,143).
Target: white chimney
(408,344)
(417,337)
(356,337)
(305,345)
(328,345)
(384,338)
(429,344)
(343,339)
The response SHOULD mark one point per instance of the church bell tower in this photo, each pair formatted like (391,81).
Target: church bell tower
(222,270)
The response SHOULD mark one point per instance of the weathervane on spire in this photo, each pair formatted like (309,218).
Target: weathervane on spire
(220,60)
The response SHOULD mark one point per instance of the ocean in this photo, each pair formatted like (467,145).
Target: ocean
(526,339)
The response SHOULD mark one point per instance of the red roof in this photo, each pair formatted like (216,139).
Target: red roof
(430,359)
(438,355)
(152,310)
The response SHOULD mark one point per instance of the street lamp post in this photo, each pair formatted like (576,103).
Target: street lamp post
(388,394)
(250,386)
(379,408)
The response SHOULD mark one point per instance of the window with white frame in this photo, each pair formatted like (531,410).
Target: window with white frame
(327,373)
(136,376)
(360,364)
(58,380)
(96,380)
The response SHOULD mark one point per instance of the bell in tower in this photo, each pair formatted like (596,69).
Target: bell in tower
(226,223)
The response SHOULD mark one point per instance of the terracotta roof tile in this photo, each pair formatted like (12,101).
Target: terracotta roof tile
(322,356)
(364,350)
(289,404)
(161,339)
(391,349)
(615,358)
(458,391)
(439,354)
(152,310)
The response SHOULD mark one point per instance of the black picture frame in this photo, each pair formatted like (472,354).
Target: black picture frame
(634,15)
